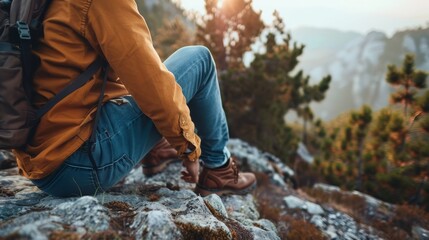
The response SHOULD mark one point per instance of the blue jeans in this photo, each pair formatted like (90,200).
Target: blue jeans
(125,135)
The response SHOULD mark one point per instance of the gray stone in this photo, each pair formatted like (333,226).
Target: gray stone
(34,225)
(250,155)
(241,218)
(84,212)
(326,187)
(41,229)
(198,220)
(260,234)
(278,180)
(241,204)
(331,233)
(155,225)
(266,225)
(7,159)
(420,233)
(350,236)
(318,221)
(314,209)
(294,202)
(9,210)
(214,202)
(11,181)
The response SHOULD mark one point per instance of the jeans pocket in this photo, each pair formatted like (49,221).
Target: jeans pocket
(125,106)
(118,113)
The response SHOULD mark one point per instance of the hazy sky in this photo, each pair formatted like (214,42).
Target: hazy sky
(358,15)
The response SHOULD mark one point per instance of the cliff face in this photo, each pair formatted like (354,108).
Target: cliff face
(165,207)
(357,64)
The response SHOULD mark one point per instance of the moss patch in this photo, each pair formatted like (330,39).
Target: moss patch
(154,197)
(118,206)
(57,235)
(4,192)
(237,230)
(191,232)
(122,218)
(172,187)
(105,235)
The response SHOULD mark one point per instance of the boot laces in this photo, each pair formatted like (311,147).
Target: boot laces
(235,169)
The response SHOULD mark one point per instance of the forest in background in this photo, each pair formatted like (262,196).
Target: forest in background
(384,153)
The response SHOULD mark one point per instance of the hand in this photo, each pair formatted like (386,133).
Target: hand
(191,172)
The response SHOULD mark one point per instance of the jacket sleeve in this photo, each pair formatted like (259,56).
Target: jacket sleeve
(125,41)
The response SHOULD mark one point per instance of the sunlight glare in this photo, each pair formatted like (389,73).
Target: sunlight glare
(219,4)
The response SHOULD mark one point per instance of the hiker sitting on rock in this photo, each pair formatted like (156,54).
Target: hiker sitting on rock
(147,105)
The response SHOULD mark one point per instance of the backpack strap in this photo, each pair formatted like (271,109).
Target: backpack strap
(92,139)
(23,32)
(78,82)
(23,14)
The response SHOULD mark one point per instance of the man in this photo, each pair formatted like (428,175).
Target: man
(144,101)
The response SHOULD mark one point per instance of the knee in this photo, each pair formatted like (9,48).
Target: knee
(203,50)
(199,52)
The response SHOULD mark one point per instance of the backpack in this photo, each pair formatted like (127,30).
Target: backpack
(20,29)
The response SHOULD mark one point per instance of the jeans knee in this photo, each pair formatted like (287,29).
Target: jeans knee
(199,49)
(203,50)
(200,52)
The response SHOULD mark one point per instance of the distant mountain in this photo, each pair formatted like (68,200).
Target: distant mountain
(357,64)
(321,45)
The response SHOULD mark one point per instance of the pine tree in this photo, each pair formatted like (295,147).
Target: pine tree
(257,98)
(419,139)
(360,121)
(397,142)
(315,93)
(422,106)
(408,79)
(380,137)
(229,30)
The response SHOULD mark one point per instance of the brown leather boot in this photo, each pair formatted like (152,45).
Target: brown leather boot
(158,158)
(225,180)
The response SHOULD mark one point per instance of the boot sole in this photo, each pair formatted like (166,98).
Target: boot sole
(204,191)
(153,170)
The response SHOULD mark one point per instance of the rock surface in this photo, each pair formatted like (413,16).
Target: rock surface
(160,207)
(165,207)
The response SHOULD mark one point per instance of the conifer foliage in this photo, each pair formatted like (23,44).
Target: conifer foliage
(258,97)
(360,121)
(386,152)
(229,28)
(408,80)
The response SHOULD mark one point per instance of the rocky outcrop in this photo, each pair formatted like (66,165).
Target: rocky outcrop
(165,207)
(7,160)
(160,207)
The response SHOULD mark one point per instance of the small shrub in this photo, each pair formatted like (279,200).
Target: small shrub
(390,232)
(105,235)
(118,206)
(57,235)
(154,197)
(302,230)
(407,216)
(349,203)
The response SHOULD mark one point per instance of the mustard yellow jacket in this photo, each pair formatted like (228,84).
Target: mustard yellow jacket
(76,32)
